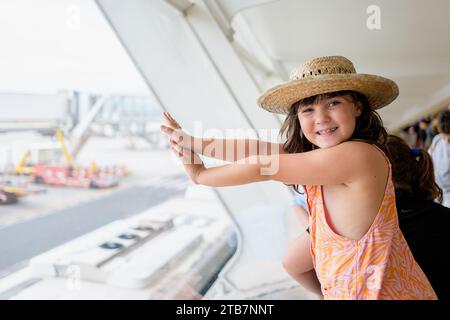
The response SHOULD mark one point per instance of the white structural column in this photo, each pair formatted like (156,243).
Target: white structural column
(193,71)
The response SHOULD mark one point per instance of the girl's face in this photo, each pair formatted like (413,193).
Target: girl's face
(329,122)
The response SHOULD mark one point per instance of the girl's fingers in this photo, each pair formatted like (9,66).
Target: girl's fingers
(177,152)
(181,153)
(172,142)
(176,147)
(171,132)
(167,116)
(166,130)
(170,123)
(172,120)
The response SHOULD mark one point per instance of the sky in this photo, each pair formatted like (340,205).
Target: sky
(52,45)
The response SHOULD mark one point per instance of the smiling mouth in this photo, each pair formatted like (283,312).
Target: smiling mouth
(326,132)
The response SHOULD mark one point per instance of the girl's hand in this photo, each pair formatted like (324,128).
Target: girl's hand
(176,134)
(193,164)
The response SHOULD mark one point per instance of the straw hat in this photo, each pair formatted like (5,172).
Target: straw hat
(324,75)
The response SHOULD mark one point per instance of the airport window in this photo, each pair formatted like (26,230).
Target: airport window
(89,189)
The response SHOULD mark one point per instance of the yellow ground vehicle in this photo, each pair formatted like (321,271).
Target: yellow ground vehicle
(23,167)
(59,155)
(55,156)
(7,197)
(10,192)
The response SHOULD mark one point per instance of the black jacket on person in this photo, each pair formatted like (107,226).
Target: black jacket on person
(425,225)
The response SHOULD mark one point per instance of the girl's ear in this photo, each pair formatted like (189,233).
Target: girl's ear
(358,108)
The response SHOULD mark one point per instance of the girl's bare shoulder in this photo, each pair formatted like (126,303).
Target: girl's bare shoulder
(366,156)
(342,164)
(363,150)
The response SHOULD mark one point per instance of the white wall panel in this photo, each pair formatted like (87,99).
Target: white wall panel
(195,74)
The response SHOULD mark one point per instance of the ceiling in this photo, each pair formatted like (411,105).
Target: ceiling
(411,46)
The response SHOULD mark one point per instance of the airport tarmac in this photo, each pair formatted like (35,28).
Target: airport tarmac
(147,166)
(40,222)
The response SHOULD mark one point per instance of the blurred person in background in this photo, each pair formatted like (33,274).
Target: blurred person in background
(422,133)
(412,137)
(423,222)
(440,153)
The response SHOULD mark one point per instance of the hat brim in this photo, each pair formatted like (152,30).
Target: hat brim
(378,90)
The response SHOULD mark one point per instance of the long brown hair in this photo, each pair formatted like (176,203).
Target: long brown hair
(412,169)
(444,121)
(369,126)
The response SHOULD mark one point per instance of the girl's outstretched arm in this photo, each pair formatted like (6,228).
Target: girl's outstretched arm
(224,149)
(221,176)
(231,174)
(340,164)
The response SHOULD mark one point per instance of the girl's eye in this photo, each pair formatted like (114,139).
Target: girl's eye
(333,103)
(306,110)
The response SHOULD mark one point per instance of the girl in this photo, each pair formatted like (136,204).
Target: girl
(334,149)
(422,221)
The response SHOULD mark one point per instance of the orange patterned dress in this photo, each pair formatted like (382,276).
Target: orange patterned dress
(380,265)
